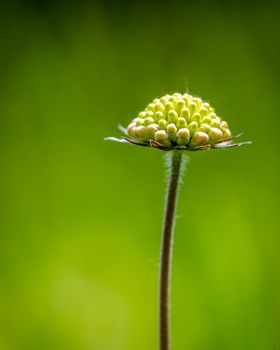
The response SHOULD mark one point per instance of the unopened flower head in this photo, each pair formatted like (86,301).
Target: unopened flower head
(179,121)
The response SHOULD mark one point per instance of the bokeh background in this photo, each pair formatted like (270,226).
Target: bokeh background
(81,218)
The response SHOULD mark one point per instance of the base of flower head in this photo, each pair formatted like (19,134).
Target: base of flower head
(155,144)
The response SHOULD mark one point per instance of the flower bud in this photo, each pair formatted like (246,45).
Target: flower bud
(168,107)
(196,117)
(215,135)
(193,127)
(183,136)
(149,120)
(192,107)
(199,138)
(142,115)
(159,115)
(176,120)
(151,130)
(181,123)
(159,107)
(172,116)
(151,107)
(161,136)
(171,131)
(204,128)
(185,113)
(162,124)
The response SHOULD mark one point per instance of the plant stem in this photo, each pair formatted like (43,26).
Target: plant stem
(176,171)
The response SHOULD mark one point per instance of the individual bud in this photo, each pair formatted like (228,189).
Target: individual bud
(142,115)
(171,131)
(199,138)
(131,125)
(161,136)
(198,102)
(224,124)
(150,114)
(172,116)
(215,135)
(203,111)
(156,100)
(178,95)
(139,121)
(227,134)
(159,115)
(215,123)
(212,115)
(211,109)
(164,100)
(206,120)
(140,132)
(180,105)
(192,108)
(204,128)
(185,113)
(187,99)
(183,136)
(196,117)
(149,121)
(151,130)
(193,127)
(174,101)
(159,107)
(162,124)
(206,105)
(151,107)
(168,107)
(181,123)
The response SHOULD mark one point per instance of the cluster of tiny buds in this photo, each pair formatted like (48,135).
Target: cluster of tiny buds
(179,120)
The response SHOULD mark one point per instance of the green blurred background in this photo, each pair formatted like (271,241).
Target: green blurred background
(81,218)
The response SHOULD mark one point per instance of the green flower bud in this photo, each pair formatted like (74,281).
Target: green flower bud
(151,130)
(142,115)
(168,107)
(172,116)
(162,124)
(140,132)
(227,134)
(185,113)
(183,136)
(149,120)
(192,107)
(181,123)
(171,131)
(150,114)
(199,138)
(193,127)
(203,111)
(159,107)
(161,136)
(206,120)
(176,120)
(215,123)
(159,115)
(196,117)
(215,135)
(180,105)
(151,107)
(139,121)
(204,128)
(224,124)
(198,102)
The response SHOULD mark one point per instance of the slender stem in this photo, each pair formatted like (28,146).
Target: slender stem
(176,170)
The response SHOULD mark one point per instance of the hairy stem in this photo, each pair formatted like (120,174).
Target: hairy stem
(176,168)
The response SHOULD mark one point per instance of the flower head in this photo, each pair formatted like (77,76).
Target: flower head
(179,121)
